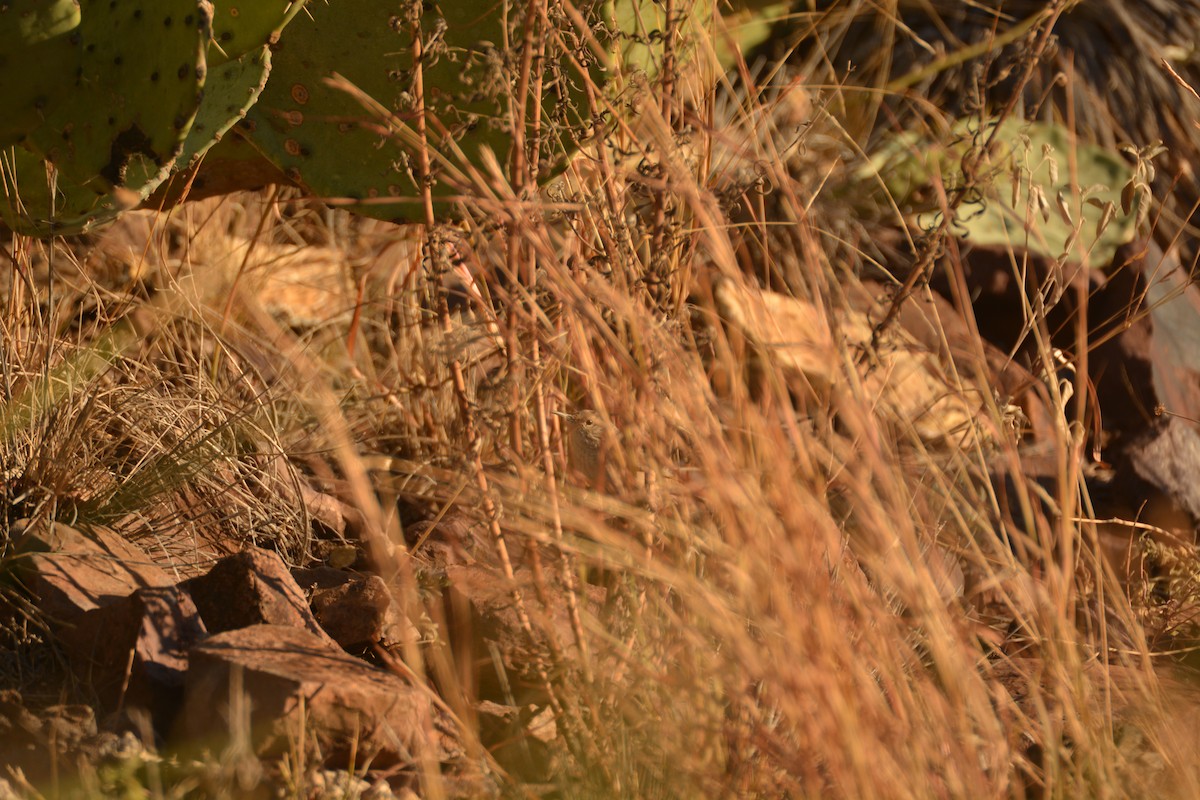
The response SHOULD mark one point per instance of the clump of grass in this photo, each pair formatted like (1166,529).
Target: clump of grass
(110,415)
(754,600)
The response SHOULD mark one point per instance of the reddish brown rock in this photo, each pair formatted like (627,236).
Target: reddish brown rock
(356,610)
(519,738)
(50,742)
(304,690)
(134,653)
(70,572)
(480,612)
(125,629)
(490,594)
(465,537)
(252,587)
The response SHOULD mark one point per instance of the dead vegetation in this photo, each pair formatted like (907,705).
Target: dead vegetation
(845,534)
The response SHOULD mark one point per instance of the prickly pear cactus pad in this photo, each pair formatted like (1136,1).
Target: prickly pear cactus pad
(329,142)
(35,33)
(114,129)
(240,26)
(125,116)
(1037,189)
(26,205)
(27,22)
(229,92)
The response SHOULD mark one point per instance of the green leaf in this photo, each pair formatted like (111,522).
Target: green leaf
(26,203)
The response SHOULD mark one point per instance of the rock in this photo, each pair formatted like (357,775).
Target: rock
(305,690)
(520,739)
(252,587)
(37,743)
(356,610)
(125,629)
(70,572)
(480,610)
(134,653)
(1167,458)
(490,595)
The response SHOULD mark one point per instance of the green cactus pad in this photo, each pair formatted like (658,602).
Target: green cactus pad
(327,141)
(25,199)
(746,25)
(113,130)
(123,119)
(28,22)
(230,165)
(34,33)
(240,26)
(1038,189)
(229,91)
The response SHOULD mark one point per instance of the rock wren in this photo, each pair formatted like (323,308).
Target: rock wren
(586,442)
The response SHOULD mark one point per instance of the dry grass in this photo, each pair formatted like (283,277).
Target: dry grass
(775,537)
